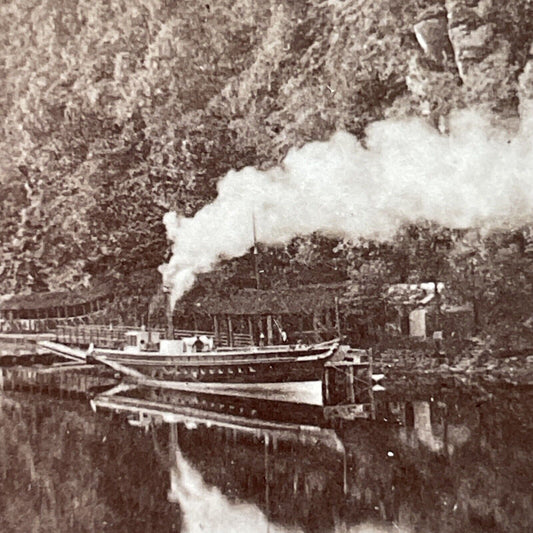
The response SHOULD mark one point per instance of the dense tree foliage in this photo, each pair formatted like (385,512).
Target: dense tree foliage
(115,112)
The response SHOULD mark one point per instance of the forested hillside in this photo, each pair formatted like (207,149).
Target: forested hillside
(114,113)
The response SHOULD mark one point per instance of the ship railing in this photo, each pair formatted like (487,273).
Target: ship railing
(110,336)
(244,357)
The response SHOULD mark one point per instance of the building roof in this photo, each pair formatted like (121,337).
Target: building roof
(301,300)
(413,293)
(44,300)
(304,299)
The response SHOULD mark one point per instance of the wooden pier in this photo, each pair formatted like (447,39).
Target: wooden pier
(14,345)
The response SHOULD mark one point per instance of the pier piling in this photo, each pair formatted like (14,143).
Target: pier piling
(347,386)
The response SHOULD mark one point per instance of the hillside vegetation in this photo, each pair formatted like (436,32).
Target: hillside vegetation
(114,113)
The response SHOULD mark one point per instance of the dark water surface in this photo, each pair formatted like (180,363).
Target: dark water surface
(451,461)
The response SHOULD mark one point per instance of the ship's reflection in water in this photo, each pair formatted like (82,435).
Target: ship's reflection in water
(206,508)
(448,460)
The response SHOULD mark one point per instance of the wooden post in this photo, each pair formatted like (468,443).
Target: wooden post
(173,458)
(337,317)
(326,384)
(267,475)
(351,384)
(327,318)
(370,388)
(216,330)
(230,331)
(270,333)
(316,325)
(301,325)
(251,329)
(344,472)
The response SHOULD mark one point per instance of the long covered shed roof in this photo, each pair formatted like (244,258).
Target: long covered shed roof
(302,300)
(44,300)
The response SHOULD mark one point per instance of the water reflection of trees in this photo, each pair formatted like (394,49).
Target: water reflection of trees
(462,466)
(304,482)
(457,463)
(65,469)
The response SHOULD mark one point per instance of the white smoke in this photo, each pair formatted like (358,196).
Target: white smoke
(473,175)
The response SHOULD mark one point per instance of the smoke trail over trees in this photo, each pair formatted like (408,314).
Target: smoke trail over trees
(473,174)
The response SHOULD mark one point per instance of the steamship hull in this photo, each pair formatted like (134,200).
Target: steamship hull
(261,366)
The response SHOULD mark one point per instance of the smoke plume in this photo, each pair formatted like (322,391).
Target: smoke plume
(474,174)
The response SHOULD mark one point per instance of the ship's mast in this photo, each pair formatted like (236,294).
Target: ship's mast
(255,254)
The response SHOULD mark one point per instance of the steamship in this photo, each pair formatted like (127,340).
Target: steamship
(183,360)
(146,357)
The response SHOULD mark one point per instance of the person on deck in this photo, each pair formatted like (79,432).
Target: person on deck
(198,345)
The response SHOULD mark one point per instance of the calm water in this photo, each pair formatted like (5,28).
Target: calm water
(450,460)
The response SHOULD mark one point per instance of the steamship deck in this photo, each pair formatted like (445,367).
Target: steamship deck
(272,364)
